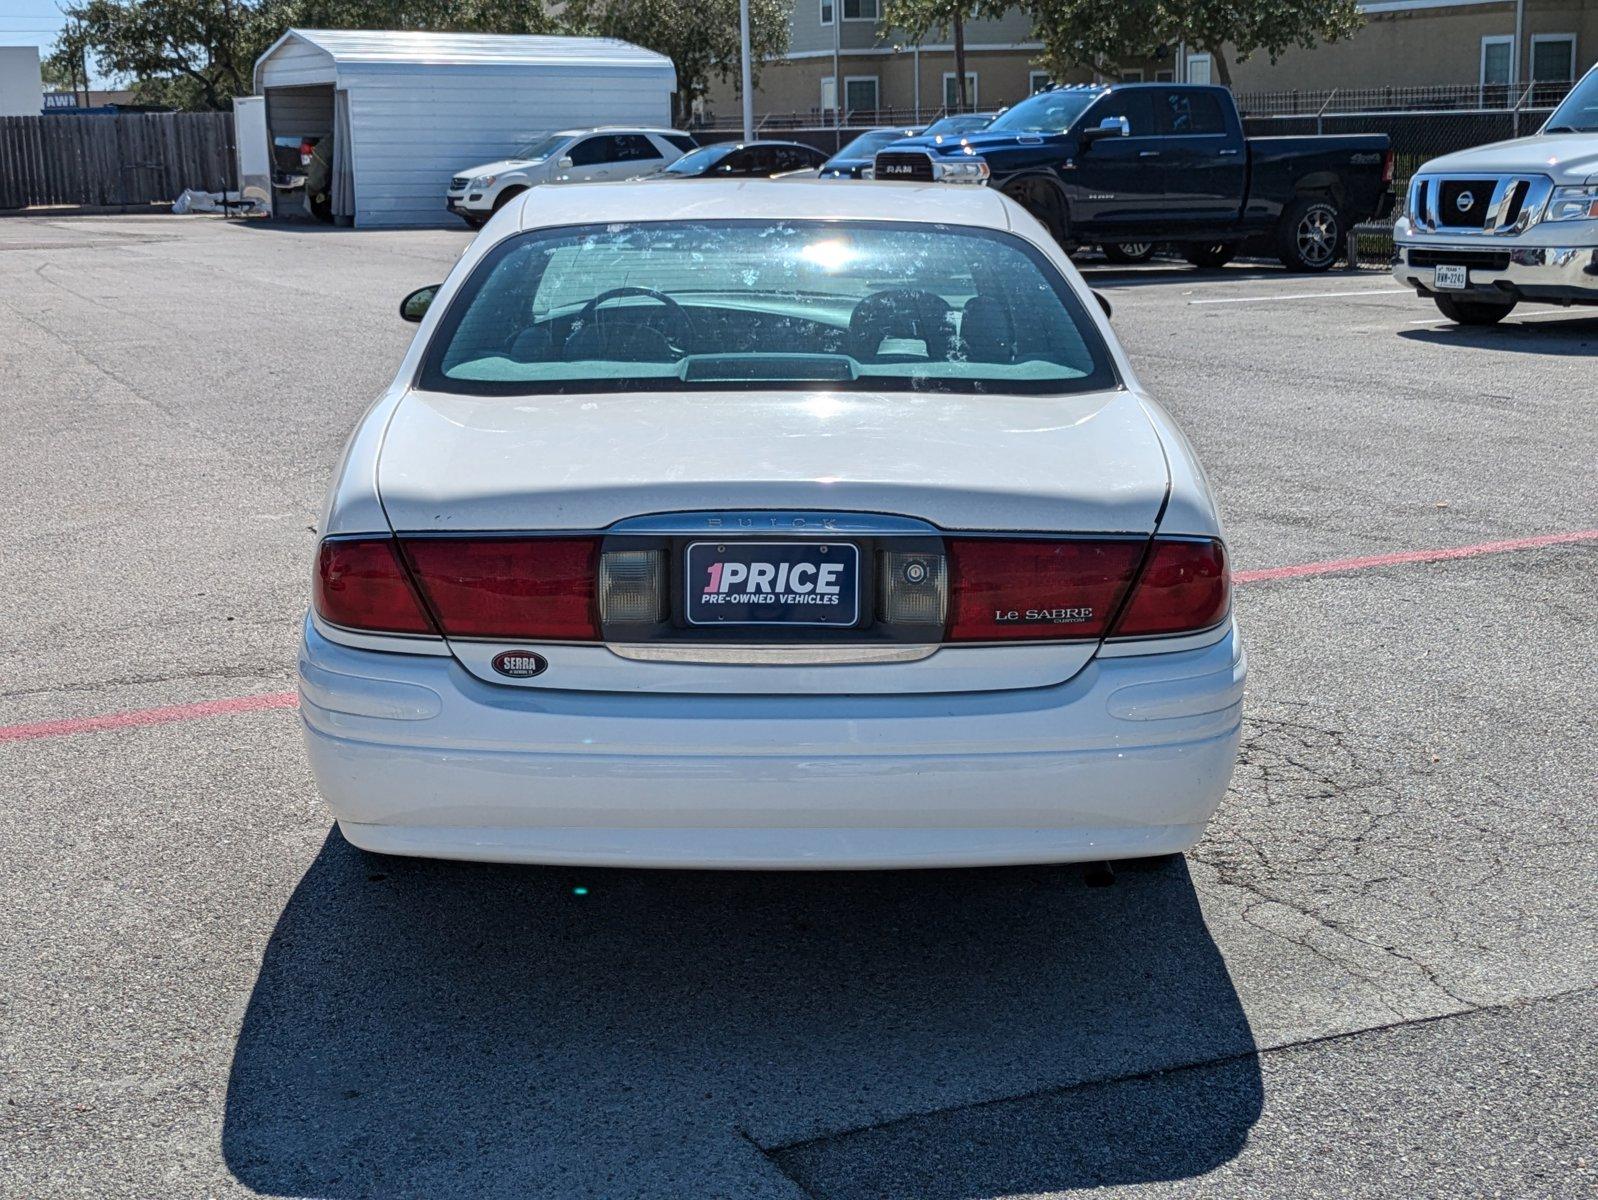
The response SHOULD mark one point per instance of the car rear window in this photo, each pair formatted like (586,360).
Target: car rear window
(879,306)
(698,160)
(868,143)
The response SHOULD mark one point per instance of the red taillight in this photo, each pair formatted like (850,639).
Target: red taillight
(515,589)
(1185,586)
(1003,590)
(361,584)
(1008,590)
(1387,168)
(548,589)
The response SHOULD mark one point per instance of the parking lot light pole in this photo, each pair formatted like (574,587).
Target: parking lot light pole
(748,73)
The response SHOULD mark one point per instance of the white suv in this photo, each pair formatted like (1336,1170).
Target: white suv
(572,156)
(1487,228)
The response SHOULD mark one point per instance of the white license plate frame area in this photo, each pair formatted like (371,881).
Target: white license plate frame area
(775,584)
(1450,277)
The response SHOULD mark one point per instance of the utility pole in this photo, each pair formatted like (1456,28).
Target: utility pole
(837,77)
(1518,50)
(918,81)
(748,71)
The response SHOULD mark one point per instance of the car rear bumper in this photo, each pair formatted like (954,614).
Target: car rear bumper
(416,756)
(1550,273)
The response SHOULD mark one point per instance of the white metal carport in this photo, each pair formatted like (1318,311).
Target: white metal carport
(408,110)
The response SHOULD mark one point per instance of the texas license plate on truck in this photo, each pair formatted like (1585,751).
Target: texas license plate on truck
(773,583)
(1455,277)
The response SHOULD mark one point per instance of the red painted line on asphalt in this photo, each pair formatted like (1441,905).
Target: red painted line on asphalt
(243,704)
(147,716)
(1336,565)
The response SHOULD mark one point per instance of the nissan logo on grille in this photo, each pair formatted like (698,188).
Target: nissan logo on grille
(1465,201)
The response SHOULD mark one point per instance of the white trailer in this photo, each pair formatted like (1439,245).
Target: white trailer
(406,110)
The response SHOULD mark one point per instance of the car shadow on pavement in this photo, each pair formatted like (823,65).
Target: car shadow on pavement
(1155,273)
(429,1029)
(1572,336)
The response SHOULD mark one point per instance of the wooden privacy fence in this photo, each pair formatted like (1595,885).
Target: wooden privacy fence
(114,158)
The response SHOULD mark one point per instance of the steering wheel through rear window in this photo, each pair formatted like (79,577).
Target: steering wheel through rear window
(595,335)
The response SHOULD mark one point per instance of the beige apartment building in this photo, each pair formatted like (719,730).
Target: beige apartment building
(1404,43)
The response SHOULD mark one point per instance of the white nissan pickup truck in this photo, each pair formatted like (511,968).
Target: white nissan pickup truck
(1489,227)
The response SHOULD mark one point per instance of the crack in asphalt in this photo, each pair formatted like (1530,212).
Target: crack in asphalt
(99,685)
(1293,756)
(1294,760)
(775,1153)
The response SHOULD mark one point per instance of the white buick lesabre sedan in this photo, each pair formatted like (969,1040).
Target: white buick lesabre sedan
(769,525)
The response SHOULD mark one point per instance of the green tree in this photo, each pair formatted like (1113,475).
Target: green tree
(699,36)
(1101,35)
(67,64)
(454,16)
(1097,34)
(192,53)
(917,18)
(199,54)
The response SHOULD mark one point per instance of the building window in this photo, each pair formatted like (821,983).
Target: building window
(860,10)
(1198,68)
(1165,75)
(1132,75)
(826,12)
(829,93)
(1036,81)
(1553,57)
(1497,63)
(951,89)
(860,94)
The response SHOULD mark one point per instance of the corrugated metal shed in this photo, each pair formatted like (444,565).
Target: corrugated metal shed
(424,106)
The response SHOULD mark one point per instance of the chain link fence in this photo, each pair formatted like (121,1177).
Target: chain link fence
(1431,98)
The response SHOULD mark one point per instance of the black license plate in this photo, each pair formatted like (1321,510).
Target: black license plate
(773,583)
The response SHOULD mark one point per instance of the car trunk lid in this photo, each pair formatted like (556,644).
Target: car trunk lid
(1092,464)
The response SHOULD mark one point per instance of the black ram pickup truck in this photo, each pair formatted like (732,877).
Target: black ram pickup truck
(1132,165)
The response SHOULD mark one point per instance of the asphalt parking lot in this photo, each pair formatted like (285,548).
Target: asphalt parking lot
(1375,977)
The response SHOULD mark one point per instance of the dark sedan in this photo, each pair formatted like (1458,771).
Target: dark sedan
(959,123)
(858,154)
(744,160)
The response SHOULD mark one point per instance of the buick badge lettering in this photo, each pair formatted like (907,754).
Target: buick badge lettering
(1042,616)
(776,522)
(520,664)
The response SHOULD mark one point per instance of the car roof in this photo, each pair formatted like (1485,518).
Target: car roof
(759,199)
(617,129)
(758,142)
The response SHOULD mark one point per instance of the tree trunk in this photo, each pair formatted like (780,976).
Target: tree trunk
(1223,73)
(959,59)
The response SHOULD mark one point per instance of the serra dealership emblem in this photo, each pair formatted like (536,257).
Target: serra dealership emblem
(520,664)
